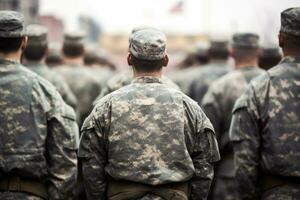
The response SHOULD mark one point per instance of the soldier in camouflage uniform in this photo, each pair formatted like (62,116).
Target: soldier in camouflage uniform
(218,66)
(147,140)
(82,82)
(34,59)
(125,78)
(39,135)
(218,103)
(265,128)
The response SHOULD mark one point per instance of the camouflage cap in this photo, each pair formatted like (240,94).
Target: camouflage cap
(290,21)
(11,24)
(245,40)
(37,34)
(218,44)
(74,37)
(148,44)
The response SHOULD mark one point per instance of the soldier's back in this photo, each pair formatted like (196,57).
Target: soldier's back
(84,85)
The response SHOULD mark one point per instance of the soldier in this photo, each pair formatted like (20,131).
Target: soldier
(53,58)
(34,59)
(218,103)
(266,124)
(269,57)
(98,64)
(218,66)
(184,76)
(39,135)
(147,140)
(125,78)
(80,79)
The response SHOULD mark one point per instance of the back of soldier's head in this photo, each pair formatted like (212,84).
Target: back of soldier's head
(147,50)
(54,58)
(245,46)
(269,57)
(11,31)
(73,45)
(218,50)
(37,44)
(290,29)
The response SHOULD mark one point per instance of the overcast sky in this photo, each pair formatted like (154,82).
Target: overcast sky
(197,16)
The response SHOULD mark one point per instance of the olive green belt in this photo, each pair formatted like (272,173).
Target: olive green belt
(124,190)
(18,184)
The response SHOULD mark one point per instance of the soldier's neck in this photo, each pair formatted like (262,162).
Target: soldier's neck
(73,61)
(242,64)
(157,74)
(291,53)
(15,56)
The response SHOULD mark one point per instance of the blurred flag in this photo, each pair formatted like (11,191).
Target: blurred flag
(177,8)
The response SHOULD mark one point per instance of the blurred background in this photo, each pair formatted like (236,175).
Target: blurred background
(186,22)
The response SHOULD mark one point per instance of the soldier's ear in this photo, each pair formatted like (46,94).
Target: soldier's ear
(24,43)
(280,39)
(166,60)
(129,57)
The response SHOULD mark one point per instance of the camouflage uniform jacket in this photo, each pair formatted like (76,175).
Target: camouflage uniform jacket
(184,77)
(265,131)
(205,77)
(125,78)
(218,103)
(150,133)
(39,135)
(84,85)
(57,80)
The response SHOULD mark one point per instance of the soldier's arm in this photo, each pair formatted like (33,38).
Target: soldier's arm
(92,155)
(213,110)
(61,143)
(244,134)
(205,153)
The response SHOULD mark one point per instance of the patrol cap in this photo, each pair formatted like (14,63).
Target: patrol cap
(74,37)
(218,44)
(11,24)
(148,44)
(245,40)
(37,34)
(139,28)
(290,21)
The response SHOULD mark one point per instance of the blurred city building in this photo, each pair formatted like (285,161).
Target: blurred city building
(55,27)
(29,8)
(90,27)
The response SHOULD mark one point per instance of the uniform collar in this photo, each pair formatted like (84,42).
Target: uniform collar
(290,60)
(147,79)
(8,64)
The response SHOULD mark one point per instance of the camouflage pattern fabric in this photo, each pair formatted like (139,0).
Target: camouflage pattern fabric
(148,44)
(39,135)
(184,77)
(84,85)
(125,78)
(290,22)
(218,103)
(205,77)
(57,80)
(265,132)
(150,133)
(11,24)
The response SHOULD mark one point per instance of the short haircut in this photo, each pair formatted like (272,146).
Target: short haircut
(73,50)
(268,61)
(91,58)
(291,41)
(8,45)
(142,65)
(221,53)
(35,52)
(246,53)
